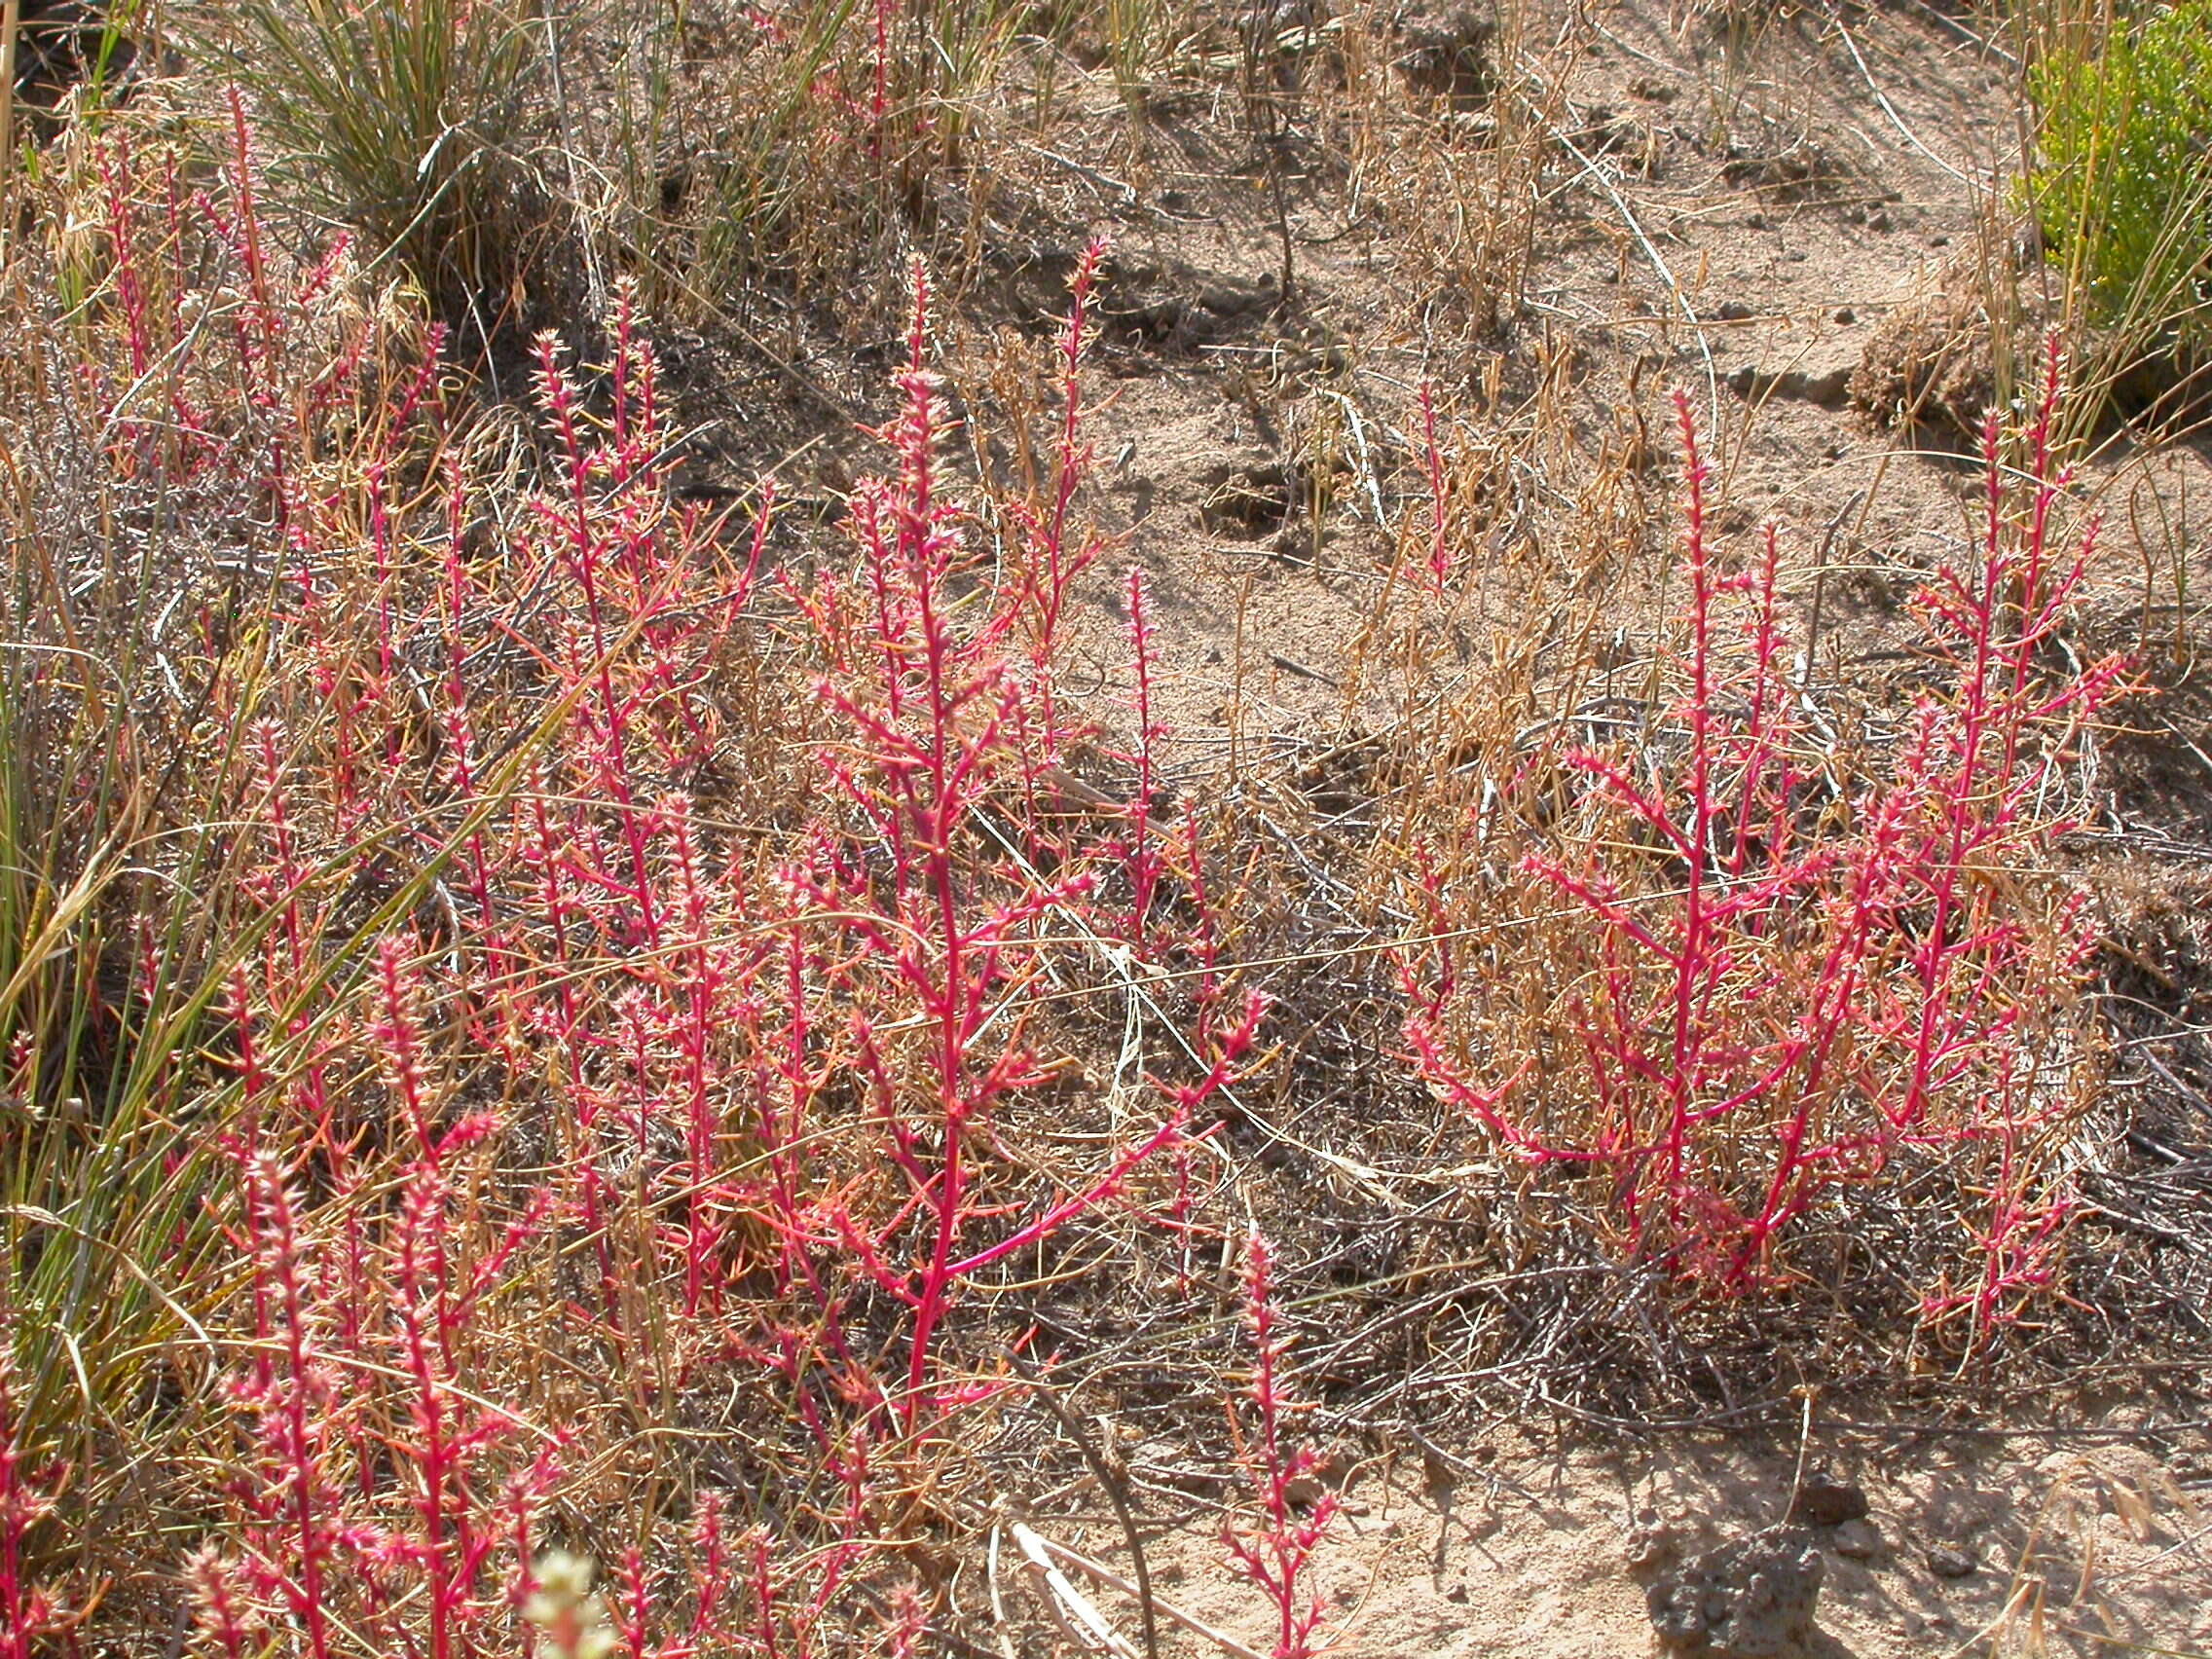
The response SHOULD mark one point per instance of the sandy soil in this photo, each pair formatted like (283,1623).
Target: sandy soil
(2088,1544)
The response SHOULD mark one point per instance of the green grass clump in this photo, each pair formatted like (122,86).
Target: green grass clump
(2122,183)
(412,122)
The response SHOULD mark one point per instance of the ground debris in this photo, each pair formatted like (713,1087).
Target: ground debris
(1751,1599)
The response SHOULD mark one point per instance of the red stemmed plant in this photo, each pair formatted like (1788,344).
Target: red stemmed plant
(1780,975)
(1294,1508)
(938,735)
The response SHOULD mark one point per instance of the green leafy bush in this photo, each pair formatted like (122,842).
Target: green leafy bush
(2122,184)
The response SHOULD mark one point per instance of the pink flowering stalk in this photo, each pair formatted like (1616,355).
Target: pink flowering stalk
(221,1606)
(1055,553)
(295,1539)
(455,1527)
(935,727)
(25,1612)
(1276,1551)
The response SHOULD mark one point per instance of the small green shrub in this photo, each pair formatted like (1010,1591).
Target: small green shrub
(2122,183)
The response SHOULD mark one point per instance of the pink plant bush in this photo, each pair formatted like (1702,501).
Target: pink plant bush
(514,1016)
(935,730)
(1781,976)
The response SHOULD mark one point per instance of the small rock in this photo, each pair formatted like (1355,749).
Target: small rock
(1821,374)
(1845,315)
(1823,1500)
(1734,311)
(1457,1592)
(1877,220)
(1651,1543)
(1948,1560)
(1752,1598)
(1856,1541)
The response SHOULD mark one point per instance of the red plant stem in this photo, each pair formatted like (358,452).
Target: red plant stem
(1080,1203)
(1275,1557)
(129,290)
(702,990)
(584,550)
(934,797)
(18,1506)
(1143,862)
(215,1587)
(880,102)
(1071,464)
(1694,950)
(258,362)
(380,546)
(710,1576)
(422,1291)
(637,1603)
(763,1576)
(296,1434)
(499,964)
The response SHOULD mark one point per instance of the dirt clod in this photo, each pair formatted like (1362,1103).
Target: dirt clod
(1826,1500)
(1856,1541)
(1948,1560)
(1248,501)
(1752,1599)
(1936,358)
(1816,372)
(1651,1544)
